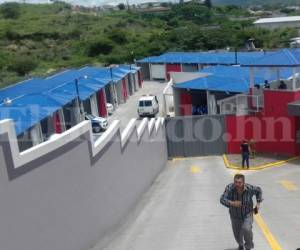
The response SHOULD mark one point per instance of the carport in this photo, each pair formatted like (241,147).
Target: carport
(112,86)
(200,95)
(135,75)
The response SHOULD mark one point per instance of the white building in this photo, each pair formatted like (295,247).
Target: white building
(278,22)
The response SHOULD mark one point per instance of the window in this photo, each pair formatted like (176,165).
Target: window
(148,103)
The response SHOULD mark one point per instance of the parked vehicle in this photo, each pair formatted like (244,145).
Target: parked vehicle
(110,108)
(148,106)
(98,123)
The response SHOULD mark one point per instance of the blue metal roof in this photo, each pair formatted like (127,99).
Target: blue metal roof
(64,77)
(69,91)
(35,99)
(31,86)
(216,83)
(244,73)
(282,58)
(27,110)
(231,79)
(38,85)
(131,68)
(223,58)
(65,85)
(104,73)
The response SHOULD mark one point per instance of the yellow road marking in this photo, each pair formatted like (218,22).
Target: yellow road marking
(259,167)
(267,233)
(195,169)
(289,185)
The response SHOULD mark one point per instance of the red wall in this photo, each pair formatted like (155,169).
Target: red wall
(297,127)
(276,102)
(124,89)
(140,79)
(273,129)
(270,136)
(172,68)
(57,124)
(102,103)
(185,103)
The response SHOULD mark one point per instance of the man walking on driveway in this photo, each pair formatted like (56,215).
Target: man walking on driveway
(238,198)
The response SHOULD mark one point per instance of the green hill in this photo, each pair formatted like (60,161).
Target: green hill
(36,40)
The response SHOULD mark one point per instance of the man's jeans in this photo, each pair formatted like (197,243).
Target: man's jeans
(245,158)
(242,230)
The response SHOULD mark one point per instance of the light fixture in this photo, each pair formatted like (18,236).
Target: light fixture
(7,101)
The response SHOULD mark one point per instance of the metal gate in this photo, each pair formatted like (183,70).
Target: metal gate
(196,135)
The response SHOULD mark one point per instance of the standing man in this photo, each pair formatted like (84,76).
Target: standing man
(245,150)
(238,198)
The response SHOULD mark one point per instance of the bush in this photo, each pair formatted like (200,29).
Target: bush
(10,10)
(22,65)
(2,62)
(118,36)
(99,46)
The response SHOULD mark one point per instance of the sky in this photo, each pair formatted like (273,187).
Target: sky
(86,2)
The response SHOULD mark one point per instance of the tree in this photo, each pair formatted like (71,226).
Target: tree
(121,6)
(10,10)
(208,3)
(99,46)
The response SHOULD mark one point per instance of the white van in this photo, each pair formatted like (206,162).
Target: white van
(148,106)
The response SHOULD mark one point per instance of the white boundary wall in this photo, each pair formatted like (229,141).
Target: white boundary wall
(70,192)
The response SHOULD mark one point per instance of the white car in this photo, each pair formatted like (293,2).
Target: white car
(98,123)
(148,106)
(110,108)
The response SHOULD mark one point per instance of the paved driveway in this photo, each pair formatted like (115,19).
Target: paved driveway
(128,110)
(182,211)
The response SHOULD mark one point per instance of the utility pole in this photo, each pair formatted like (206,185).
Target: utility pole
(127,3)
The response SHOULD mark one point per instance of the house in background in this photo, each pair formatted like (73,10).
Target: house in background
(278,22)
(160,67)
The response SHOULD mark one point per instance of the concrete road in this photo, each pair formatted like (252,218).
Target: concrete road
(182,211)
(128,110)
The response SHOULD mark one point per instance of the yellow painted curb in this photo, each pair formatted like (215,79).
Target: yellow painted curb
(267,233)
(259,167)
